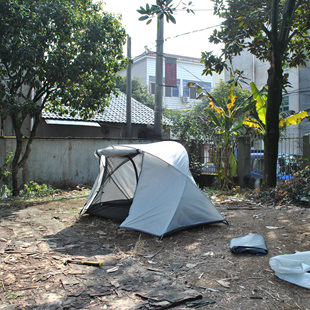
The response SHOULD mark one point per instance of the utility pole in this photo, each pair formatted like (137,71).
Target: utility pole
(159,80)
(129,90)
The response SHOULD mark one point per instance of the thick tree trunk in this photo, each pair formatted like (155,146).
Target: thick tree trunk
(271,139)
(279,38)
(15,161)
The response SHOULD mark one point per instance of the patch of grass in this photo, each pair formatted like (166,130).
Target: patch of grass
(8,294)
(33,189)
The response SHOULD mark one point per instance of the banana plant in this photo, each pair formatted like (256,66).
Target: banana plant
(227,121)
(259,124)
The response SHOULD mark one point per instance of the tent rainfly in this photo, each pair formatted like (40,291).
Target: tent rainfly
(149,188)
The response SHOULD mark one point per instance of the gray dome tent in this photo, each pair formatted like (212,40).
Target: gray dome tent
(149,188)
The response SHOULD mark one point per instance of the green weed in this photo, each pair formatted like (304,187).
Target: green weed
(8,294)
(33,189)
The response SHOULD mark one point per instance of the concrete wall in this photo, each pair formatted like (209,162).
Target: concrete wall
(61,161)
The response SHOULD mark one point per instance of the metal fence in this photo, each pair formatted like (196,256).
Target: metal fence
(208,158)
(289,157)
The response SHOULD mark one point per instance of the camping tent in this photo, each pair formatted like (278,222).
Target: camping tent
(149,188)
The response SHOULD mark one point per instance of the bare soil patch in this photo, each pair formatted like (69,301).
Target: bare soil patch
(190,269)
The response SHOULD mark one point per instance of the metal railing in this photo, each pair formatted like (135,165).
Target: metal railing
(289,157)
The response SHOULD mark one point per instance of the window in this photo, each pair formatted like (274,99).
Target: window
(173,91)
(191,91)
(285,106)
(152,85)
(205,85)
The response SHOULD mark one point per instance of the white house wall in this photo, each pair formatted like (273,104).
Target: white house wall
(140,71)
(190,70)
(187,71)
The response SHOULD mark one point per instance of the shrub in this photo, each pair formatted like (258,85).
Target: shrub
(5,175)
(296,189)
(33,189)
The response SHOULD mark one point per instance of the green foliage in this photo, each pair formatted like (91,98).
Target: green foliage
(139,91)
(66,52)
(220,94)
(57,55)
(210,123)
(226,120)
(256,25)
(6,174)
(5,170)
(259,123)
(275,32)
(8,294)
(33,189)
(162,8)
(188,127)
(296,189)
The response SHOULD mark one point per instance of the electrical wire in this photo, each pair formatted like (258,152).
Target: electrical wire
(154,45)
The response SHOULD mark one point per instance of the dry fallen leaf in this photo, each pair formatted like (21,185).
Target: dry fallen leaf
(223,283)
(112,269)
(115,283)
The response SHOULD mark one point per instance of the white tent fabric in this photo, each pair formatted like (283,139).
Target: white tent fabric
(154,182)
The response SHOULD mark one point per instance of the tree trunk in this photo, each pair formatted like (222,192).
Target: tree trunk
(271,139)
(18,162)
(17,154)
(15,180)
(279,39)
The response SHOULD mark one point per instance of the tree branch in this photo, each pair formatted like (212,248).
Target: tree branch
(19,140)
(30,140)
(274,21)
(267,32)
(288,12)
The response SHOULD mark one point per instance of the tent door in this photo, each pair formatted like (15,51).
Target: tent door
(118,186)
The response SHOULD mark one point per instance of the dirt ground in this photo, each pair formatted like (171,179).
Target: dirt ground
(192,269)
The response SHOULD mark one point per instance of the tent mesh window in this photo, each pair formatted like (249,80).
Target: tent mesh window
(118,186)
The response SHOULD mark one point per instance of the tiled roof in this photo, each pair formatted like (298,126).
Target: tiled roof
(115,112)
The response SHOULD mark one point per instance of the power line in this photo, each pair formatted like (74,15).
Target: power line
(191,73)
(154,45)
(298,91)
(190,32)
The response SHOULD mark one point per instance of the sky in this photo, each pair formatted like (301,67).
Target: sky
(176,40)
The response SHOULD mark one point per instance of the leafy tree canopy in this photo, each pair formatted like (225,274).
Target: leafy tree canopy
(220,93)
(258,25)
(60,54)
(276,31)
(64,52)
(139,91)
(161,9)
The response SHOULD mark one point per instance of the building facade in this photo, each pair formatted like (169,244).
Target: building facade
(297,97)
(188,69)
